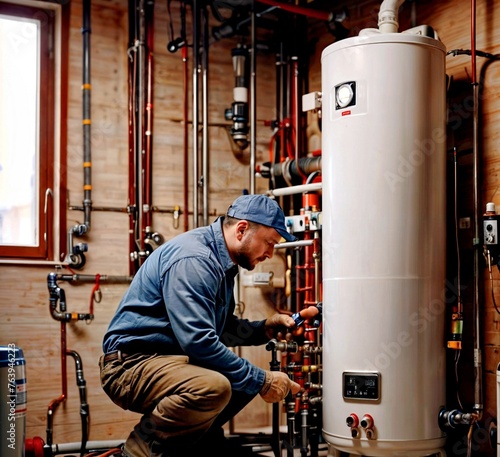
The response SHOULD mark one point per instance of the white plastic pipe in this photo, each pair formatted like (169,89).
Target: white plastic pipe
(63,448)
(388,16)
(313,187)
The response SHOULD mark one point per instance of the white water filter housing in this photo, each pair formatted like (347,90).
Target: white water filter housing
(384,170)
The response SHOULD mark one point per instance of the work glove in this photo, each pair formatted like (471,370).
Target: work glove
(276,387)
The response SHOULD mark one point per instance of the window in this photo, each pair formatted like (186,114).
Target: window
(30,135)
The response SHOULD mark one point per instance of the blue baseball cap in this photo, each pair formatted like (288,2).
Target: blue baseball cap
(261,210)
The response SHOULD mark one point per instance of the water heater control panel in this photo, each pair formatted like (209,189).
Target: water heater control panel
(361,385)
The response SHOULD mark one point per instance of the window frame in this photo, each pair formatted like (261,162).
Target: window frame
(52,114)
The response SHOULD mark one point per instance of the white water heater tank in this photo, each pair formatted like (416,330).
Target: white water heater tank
(384,169)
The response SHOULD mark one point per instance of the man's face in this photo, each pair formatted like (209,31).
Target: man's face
(256,245)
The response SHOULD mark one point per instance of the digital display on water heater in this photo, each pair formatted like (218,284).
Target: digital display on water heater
(361,385)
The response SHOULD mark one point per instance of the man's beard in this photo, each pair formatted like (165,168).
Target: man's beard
(243,258)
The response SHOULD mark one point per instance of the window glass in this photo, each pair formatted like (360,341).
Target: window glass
(19,133)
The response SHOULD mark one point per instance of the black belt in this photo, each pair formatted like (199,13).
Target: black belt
(115,355)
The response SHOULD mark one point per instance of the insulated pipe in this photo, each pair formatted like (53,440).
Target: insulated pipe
(92,278)
(388,16)
(478,397)
(86,89)
(292,168)
(196,65)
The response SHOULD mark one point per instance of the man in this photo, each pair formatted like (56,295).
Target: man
(166,352)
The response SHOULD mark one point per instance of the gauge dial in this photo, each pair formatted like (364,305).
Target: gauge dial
(344,95)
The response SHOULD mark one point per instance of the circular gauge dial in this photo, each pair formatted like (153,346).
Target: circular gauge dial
(344,95)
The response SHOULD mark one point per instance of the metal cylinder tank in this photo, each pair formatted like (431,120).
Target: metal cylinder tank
(13,404)
(384,169)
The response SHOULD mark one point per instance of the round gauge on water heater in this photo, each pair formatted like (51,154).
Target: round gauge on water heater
(344,95)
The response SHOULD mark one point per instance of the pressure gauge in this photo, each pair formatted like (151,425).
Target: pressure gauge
(345,95)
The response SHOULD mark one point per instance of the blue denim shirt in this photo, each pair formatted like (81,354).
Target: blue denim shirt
(181,302)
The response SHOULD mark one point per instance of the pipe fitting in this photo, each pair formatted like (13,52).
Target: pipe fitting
(388,16)
(450,419)
(367,422)
(352,420)
(283,346)
(370,434)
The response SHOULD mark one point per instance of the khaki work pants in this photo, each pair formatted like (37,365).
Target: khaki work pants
(180,402)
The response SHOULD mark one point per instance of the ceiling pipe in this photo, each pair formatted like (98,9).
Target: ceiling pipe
(315,14)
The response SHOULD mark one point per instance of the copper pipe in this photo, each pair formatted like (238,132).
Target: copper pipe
(57,401)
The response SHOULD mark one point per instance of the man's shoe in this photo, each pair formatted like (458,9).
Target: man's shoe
(135,446)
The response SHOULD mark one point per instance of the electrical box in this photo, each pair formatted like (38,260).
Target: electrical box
(490,231)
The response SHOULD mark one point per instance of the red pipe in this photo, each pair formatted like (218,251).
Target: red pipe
(473,40)
(308,12)
(57,401)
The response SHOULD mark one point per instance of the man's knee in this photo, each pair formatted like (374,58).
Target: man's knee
(217,391)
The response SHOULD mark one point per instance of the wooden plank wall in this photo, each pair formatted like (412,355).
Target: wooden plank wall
(24,306)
